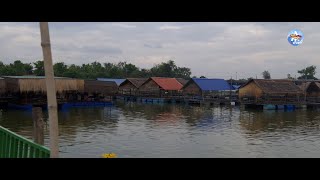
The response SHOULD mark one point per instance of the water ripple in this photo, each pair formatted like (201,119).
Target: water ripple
(151,130)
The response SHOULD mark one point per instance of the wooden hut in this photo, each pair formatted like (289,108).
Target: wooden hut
(99,90)
(160,87)
(100,87)
(266,89)
(32,89)
(207,87)
(311,90)
(35,84)
(131,85)
(117,81)
(182,81)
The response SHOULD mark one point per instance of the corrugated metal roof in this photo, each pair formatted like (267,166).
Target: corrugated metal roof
(137,82)
(29,77)
(236,86)
(117,81)
(106,87)
(182,81)
(167,83)
(212,84)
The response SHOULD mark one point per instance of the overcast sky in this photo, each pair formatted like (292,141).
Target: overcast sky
(212,49)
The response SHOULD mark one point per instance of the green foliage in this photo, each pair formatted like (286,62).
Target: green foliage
(17,68)
(308,73)
(59,68)
(38,68)
(170,69)
(266,75)
(96,70)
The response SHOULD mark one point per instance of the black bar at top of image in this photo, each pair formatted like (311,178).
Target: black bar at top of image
(156,11)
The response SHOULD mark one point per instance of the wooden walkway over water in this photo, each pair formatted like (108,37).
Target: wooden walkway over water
(181,99)
(278,101)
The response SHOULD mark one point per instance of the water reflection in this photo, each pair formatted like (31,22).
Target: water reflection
(169,130)
(264,121)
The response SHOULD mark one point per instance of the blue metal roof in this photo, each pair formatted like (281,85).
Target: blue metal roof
(117,81)
(212,84)
(236,86)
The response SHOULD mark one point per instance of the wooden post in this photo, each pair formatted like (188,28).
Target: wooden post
(51,90)
(38,125)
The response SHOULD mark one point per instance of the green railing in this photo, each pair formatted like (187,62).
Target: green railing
(13,145)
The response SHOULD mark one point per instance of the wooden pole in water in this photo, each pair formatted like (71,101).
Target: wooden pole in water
(51,90)
(38,125)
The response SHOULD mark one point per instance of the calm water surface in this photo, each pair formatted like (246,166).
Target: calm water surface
(153,130)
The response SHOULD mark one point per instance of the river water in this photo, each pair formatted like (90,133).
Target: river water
(133,130)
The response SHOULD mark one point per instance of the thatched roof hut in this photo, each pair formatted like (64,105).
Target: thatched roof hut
(260,87)
(100,87)
(23,84)
(311,88)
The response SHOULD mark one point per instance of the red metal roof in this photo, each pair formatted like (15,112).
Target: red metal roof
(167,83)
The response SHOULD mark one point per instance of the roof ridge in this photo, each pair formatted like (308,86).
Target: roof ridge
(209,78)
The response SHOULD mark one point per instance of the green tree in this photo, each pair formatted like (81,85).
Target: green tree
(202,77)
(170,69)
(96,69)
(38,68)
(307,73)
(183,72)
(17,68)
(289,76)
(131,70)
(60,68)
(2,69)
(266,75)
(73,72)
(145,73)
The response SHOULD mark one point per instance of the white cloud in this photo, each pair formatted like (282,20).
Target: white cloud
(122,25)
(168,27)
(212,49)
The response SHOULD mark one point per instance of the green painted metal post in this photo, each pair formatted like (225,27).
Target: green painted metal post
(1,144)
